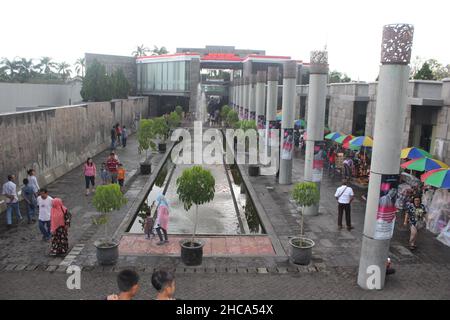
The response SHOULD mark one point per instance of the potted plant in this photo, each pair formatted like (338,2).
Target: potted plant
(179,110)
(224,113)
(161,132)
(253,169)
(232,119)
(305,194)
(173,120)
(145,139)
(195,186)
(107,198)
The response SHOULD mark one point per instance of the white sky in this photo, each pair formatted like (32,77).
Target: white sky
(65,30)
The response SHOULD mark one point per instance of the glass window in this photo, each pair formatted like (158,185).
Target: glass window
(170,76)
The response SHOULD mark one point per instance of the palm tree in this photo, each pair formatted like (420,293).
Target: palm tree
(80,65)
(26,69)
(10,67)
(159,51)
(63,70)
(140,51)
(46,64)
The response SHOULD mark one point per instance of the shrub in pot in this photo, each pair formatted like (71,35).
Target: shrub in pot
(179,111)
(107,198)
(145,137)
(161,132)
(232,119)
(195,186)
(173,120)
(224,113)
(305,194)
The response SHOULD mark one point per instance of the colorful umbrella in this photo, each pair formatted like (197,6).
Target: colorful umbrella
(300,123)
(439,178)
(333,135)
(363,141)
(344,139)
(424,164)
(414,153)
(347,145)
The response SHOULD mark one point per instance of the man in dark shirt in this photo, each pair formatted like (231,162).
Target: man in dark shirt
(113,138)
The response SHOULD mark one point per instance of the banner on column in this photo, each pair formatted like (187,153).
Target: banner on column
(261,122)
(241,112)
(384,227)
(318,160)
(252,115)
(288,144)
(245,114)
(271,132)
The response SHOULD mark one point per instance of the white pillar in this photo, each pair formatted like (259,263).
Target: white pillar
(252,98)
(385,167)
(271,105)
(246,97)
(287,123)
(260,98)
(315,122)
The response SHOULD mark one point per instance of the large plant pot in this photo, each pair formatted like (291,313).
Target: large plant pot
(253,170)
(162,147)
(301,252)
(146,167)
(191,252)
(107,252)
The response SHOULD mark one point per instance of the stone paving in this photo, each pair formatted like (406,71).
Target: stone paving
(213,245)
(23,245)
(422,274)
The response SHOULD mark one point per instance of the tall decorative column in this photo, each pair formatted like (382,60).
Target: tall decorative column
(385,168)
(260,99)
(287,123)
(271,105)
(252,98)
(239,107)
(315,123)
(246,92)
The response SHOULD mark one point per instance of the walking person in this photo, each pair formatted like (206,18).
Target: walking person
(128,283)
(162,219)
(12,200)
(104,174)
(149,224)
(90,171)
(45,208)
(60,223)
(416,216)
(164,283)
(344,195)
(332,162)
(121,176)
(113,138)
(33,181)
(118,133)
(124,136)
(112,164)
(29,196)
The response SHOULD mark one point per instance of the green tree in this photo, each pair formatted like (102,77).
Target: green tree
(63,70)
(145,136)
(305,194)
(26,69)
(338,77)
(424,73)
(96,83)
(120,85)
(160,128)
(80,66)
(232,118)
(10,68)
(107,198)
(224,112)
(46,65)
(179,110)
(173,120)
(140,51)
(195,186)
(159,51)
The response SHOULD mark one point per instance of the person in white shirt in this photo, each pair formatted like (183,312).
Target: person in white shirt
(344,195)
(33,181)
(45,207)
(12,201)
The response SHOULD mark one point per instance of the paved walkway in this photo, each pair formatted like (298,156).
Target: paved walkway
(214,246)
(23,245)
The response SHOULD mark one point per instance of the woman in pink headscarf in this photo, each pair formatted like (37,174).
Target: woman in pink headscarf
(59,225)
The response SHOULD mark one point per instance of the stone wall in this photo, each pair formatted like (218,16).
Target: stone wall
(56,140)
(31,95)
(442,143)
(341,114)
(112,63)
